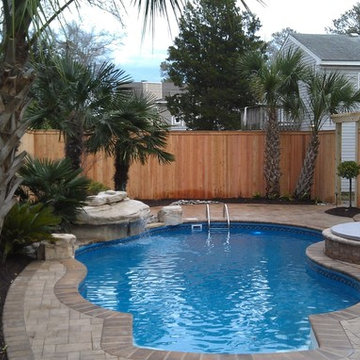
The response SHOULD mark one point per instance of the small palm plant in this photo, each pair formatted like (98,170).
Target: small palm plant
(26,224)
(55,184)
(349,170)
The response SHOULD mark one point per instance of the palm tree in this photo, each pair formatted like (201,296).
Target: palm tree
(68,94)
(274,84)
(327,93)
(130,130)
(23,22)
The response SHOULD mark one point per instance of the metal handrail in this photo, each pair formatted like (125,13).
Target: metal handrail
(226,214)
(208,215)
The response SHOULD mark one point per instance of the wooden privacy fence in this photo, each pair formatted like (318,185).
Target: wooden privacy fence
(209,164)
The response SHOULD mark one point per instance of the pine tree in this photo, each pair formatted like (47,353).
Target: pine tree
(213,34)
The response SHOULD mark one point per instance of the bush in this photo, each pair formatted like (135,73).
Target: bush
(349,170)
(95,187)
(26,224)
(55,184)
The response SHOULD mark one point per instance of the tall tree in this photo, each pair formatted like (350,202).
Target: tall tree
(212,36)
(130,129)
(326,94)
(83,46)
(23,22)
(347,23)
(275,84)
(278,38)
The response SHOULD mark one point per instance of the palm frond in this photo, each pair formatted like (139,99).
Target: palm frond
(26,224)
(56,184)
(329,93)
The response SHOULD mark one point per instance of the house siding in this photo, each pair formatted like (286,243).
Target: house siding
(159,91)
(353,74)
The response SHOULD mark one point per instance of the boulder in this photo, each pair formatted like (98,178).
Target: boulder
(120,212)
(62,247)
(111,221)
(171,215)
(106,197)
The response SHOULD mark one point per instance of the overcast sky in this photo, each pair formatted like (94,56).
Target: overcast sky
(142,59)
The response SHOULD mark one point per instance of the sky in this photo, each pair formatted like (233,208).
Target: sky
(141,58)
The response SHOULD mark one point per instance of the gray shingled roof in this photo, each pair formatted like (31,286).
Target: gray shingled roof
(331,47)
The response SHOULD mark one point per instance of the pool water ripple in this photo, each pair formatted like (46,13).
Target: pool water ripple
(251,292)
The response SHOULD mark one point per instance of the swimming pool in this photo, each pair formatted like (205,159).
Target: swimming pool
(243,291)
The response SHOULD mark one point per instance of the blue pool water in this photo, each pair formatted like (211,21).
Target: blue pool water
(251,291)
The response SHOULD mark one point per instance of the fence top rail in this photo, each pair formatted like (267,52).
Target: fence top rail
(202,132)
(242,132)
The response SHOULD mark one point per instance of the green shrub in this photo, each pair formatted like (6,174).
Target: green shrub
(349,170)
(95,187)
(55,184)
(287,197)
(26,224)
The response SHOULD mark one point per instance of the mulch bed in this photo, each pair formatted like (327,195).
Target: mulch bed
(344,211)
(8,272)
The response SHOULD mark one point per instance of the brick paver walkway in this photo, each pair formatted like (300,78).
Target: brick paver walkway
(46,318)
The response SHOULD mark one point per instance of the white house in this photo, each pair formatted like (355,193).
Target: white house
(331,52)
(159,91)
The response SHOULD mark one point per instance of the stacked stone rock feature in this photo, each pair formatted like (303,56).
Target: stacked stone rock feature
(171,215)
(110,215)
(62,247)
(106,197)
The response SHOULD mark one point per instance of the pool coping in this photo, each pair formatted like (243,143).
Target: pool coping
(328,331)
(116,337)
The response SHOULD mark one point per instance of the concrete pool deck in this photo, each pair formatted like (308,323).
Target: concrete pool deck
(46,318)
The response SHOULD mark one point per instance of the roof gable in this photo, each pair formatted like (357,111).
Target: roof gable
(329,47)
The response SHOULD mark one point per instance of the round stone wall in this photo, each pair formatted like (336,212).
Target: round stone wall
(340,248)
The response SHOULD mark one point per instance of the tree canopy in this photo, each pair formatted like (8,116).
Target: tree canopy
(213,34)
(347,23)
(85,46)
(278,38)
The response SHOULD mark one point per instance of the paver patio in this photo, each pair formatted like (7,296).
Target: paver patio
(46,318)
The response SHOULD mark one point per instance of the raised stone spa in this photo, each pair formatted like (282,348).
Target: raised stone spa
(342,242)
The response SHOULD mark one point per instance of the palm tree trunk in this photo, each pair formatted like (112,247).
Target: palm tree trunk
(306,178)
(121,175)
(74,143)
(15,84)
(272,156)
